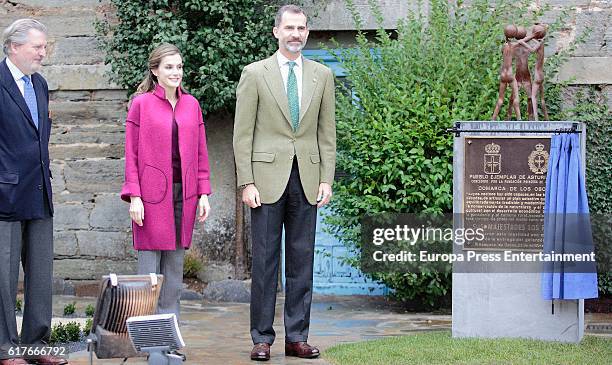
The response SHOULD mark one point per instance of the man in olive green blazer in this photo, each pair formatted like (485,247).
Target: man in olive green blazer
(285,147)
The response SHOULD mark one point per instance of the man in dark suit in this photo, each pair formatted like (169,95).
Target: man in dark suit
(285,151)
(26,207)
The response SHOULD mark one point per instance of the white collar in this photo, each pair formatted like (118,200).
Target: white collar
(282,60)
(15,71)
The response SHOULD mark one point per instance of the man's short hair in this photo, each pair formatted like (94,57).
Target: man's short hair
(288,8)
(18,32)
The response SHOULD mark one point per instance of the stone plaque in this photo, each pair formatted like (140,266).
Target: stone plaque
(504,191)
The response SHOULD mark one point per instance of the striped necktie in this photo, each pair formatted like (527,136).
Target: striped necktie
(30,99)
(292,97)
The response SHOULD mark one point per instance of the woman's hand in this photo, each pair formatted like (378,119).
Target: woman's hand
(203,208)
(136,210)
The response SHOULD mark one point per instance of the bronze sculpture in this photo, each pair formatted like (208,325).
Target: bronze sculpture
(538,31)
(522,74)
(519,52)
(506,74)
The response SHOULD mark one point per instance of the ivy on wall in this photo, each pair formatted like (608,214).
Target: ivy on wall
(217,39)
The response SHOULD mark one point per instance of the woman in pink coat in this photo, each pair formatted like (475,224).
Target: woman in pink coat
(166,172)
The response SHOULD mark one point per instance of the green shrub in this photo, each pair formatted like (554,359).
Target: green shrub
(69,309)
(73,331)
(18,305)
(88,326)
(58,334)
(404,90)
(192,265)
(90,310)
(64,333)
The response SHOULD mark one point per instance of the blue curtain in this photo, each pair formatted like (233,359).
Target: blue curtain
(567,227)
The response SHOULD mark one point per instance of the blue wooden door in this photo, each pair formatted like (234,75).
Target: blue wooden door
(331,274)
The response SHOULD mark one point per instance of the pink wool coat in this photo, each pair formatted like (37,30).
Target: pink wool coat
(148,166)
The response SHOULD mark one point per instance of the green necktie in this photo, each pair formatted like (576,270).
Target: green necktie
(292,97)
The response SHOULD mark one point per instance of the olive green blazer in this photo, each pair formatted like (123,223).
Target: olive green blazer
(264,142)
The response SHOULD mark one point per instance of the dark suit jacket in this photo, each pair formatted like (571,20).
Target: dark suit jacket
(24,151)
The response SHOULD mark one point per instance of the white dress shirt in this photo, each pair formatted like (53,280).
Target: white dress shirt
(17,75)
(283,64)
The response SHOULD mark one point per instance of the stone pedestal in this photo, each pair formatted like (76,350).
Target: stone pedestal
(491,304)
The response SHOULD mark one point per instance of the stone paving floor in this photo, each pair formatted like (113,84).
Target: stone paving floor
(217,333)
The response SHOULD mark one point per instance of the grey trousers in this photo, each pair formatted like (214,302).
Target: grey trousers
(31,243)
(167,263)
(299,218)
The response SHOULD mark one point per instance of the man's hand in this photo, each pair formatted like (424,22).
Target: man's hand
(325,194)
(136,210)
(250,196)
(203,208)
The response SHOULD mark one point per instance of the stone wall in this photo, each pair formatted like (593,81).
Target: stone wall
(91,224)
(92,227)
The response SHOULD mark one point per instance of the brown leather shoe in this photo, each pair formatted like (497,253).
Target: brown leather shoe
(301,349)
(13,362)
(49,360)
(261,352)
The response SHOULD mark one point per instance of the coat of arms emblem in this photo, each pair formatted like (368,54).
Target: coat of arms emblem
(492,159)
(538,160)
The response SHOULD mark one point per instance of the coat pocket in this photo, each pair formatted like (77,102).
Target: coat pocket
(315,158)
(8,192)
(263,157)
(191,182)
(153,185)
